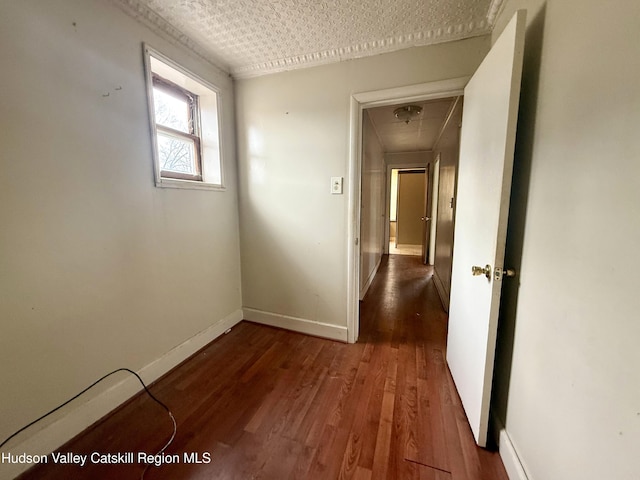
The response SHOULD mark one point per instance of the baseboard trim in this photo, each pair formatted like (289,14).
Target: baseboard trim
(369,281)
(508,453)
(444,298)
(56,434)
(300,325)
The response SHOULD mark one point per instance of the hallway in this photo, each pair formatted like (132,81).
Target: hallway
(273,404)
(431,437)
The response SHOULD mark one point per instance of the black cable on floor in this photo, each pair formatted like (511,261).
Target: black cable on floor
(173,420)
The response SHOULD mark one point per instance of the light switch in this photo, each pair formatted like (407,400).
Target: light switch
(336,185)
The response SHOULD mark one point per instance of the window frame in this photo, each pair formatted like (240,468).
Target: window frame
(193,135)
(169,179)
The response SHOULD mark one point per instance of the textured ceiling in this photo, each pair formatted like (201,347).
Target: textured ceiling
(419,134)
(255,37)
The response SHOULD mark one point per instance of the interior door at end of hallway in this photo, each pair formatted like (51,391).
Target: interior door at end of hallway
(410,207)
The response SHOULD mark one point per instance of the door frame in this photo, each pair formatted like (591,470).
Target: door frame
(358,102)
(435,197)
(428,207)
(387,211)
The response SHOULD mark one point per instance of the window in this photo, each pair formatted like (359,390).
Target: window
(184,119)
(177,134)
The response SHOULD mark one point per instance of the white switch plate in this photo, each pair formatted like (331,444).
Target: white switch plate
(336,185)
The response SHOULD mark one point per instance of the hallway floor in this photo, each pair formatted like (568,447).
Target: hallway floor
(404,249)
(267,403)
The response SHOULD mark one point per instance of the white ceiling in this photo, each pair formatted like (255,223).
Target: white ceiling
(419,134)
(255,37)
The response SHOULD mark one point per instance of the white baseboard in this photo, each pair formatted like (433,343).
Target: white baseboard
(83,416)
(508,453)
(369,281)
(300,325)
(444,298)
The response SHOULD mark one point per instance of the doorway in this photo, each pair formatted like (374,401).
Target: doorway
(360,103)
(484,172)
(406,218)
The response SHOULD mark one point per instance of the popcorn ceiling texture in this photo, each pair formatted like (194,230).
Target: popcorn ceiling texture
(255,37)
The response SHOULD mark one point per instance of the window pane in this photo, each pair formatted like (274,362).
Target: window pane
(184,119)
(171,111)
(176,154)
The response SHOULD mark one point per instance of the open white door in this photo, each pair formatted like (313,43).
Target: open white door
(484,183)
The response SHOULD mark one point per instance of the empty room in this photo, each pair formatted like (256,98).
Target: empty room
(200,273)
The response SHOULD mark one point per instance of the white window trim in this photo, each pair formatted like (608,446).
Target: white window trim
(163,182)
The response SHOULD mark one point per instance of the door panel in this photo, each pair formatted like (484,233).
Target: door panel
(410,208)
(484,184)
(448,151)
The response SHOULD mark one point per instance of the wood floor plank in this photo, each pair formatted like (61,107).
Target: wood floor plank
(303,463)
(382,451)
(270,404)
(433,435)
(367,426)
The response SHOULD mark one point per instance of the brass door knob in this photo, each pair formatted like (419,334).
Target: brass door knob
(486,271)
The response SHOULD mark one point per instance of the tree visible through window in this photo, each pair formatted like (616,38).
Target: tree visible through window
(176,115)
(185,120)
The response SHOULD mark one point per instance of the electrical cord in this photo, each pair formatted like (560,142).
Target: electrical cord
(173,420)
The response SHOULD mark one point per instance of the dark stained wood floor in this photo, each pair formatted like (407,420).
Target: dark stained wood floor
(272,404)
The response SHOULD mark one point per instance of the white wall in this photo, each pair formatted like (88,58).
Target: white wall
(372,210)
(567,385)
(293,135)
(393,195)
(99,269)
(408,159)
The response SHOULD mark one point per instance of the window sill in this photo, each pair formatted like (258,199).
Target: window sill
(188,184)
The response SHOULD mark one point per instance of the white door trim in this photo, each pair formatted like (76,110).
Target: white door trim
(359,101)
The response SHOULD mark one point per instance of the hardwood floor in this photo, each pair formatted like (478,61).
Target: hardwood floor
(271,404)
